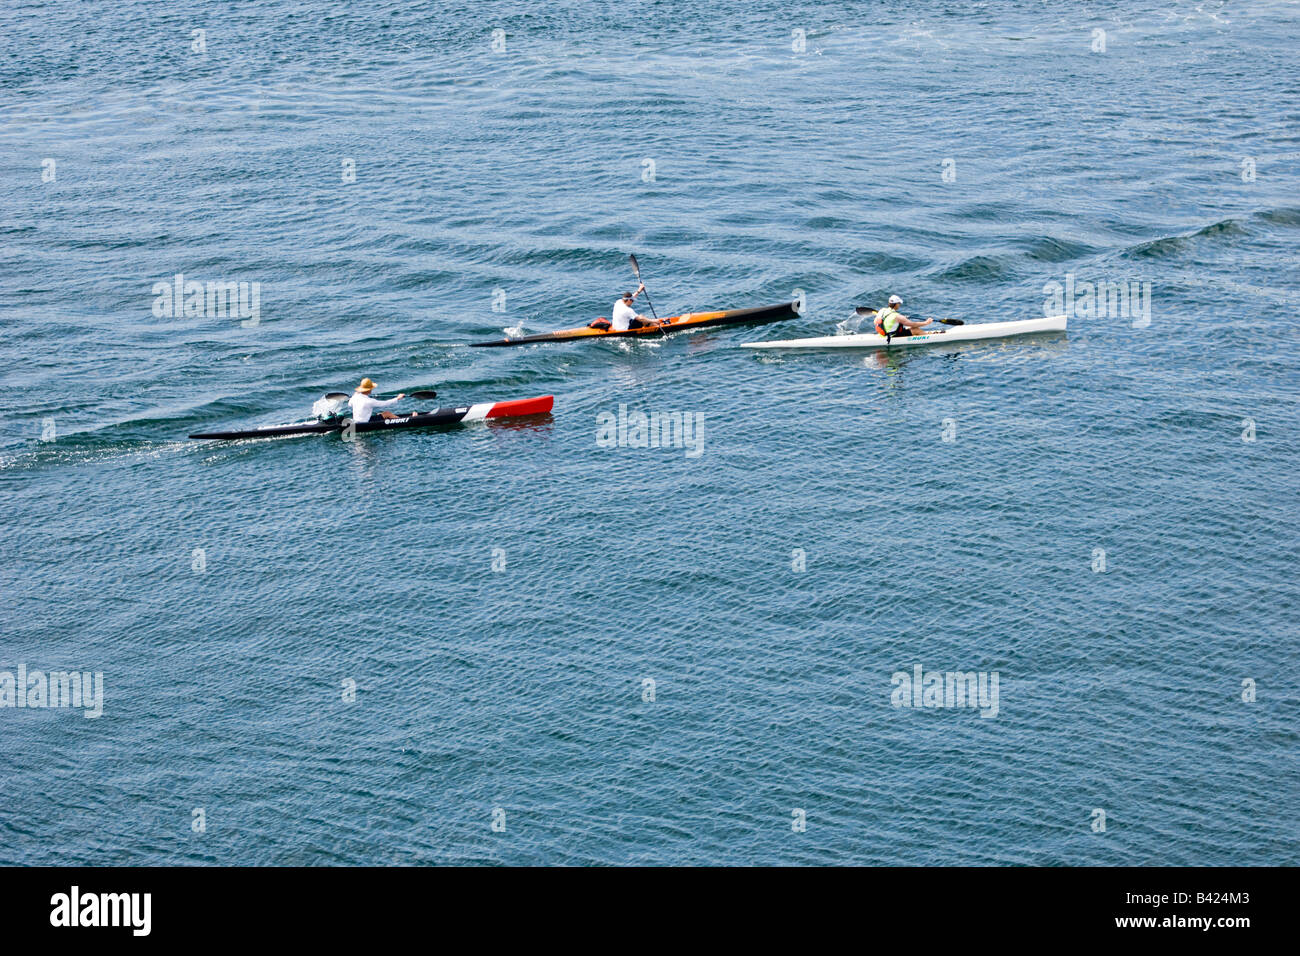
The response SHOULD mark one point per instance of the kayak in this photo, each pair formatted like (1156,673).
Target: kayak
(689,320)
(439,416)
(959,333)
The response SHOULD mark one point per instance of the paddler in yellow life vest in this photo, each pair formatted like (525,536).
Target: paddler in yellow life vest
(892,324)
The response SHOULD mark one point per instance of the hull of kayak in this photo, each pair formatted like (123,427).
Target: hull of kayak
(690,320)
(439,416)
(959,333)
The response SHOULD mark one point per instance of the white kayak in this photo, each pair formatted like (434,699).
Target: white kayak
(955,333)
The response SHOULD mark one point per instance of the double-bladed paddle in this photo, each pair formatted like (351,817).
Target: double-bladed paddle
(865,310)
(344,396)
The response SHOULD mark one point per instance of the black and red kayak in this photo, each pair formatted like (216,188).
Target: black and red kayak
(689,320)
(438,416)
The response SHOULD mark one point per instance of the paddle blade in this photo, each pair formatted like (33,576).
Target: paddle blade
(951,321)
(636,268)
(863,310)
(422,394)
(337,396)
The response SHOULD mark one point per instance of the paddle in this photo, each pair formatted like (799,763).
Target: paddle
(636,269)
(336,396)
(864,310)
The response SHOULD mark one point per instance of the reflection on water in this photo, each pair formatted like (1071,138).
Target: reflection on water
(538,423)
(369,450)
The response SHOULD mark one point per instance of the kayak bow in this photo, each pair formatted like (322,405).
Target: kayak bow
(689,320)
(961,333)
(439,416)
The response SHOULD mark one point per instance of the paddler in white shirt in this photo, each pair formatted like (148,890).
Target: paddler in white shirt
(363,406)
(890,323)
(625,317)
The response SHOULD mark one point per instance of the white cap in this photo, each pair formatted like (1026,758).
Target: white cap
(895,300)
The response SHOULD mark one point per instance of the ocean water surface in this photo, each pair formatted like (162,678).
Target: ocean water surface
(513,644)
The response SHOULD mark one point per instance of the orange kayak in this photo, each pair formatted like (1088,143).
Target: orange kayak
(690,320)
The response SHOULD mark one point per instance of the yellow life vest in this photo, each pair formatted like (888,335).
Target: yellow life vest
(887,319)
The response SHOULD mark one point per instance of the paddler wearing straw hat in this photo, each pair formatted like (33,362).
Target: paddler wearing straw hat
(363,406)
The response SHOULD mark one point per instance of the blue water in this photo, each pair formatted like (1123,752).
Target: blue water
(1106,519)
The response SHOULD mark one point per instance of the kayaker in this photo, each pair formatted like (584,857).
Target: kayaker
(363,406)
(891,323)
(625,317)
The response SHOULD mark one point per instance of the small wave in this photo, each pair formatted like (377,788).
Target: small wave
(978,269)
(1286,216)
(828,222)
(1173,245)
(1052,249)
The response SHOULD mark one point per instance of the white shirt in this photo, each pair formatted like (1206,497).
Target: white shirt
(363,406)
(622,316)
